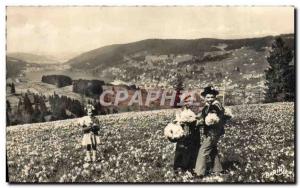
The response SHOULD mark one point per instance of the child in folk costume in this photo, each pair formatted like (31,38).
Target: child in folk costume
(187,147)
(90,128)
(212,117)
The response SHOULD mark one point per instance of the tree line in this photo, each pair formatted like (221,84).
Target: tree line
(34,108)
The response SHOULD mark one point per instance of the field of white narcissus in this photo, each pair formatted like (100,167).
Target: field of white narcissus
(258,146)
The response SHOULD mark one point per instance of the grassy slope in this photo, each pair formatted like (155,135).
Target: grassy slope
(14,67)
(258,140)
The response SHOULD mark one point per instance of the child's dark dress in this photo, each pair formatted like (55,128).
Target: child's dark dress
(187,148)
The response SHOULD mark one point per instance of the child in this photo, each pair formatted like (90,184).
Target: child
(90,138)
(213,121)
(187,148)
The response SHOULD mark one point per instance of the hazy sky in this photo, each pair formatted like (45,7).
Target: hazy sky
(59,30)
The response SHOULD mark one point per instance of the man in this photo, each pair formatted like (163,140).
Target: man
(211,133)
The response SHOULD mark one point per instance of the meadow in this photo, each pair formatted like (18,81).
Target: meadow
(258,146)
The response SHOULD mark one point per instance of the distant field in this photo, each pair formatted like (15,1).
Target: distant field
(37,75)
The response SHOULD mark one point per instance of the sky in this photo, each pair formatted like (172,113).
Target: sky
(60,31)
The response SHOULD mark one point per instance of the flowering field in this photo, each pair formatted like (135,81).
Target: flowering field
(258,146)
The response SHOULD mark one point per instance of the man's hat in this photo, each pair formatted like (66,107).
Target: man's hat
(209,90)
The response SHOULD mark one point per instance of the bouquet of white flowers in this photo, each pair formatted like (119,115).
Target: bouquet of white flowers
(186,116)
(173,131)
(212,119)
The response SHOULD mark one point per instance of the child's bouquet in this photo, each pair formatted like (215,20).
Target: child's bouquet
(212,119)
(186,116)
(174,132)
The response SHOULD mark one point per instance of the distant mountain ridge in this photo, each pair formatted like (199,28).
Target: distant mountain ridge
(33,58)
(108,56)
(15,67)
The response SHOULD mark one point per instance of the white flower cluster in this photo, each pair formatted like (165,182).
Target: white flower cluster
(89,107)
(85,120)
(186,116)
(212,119)
(173,131)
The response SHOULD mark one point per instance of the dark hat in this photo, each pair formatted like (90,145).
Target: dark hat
(209,90)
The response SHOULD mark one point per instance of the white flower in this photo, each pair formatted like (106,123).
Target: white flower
(211,119)
(173,131)
(86,165)
(185,116)
(89,107)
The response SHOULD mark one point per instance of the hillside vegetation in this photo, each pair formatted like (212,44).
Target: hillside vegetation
(113,54)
